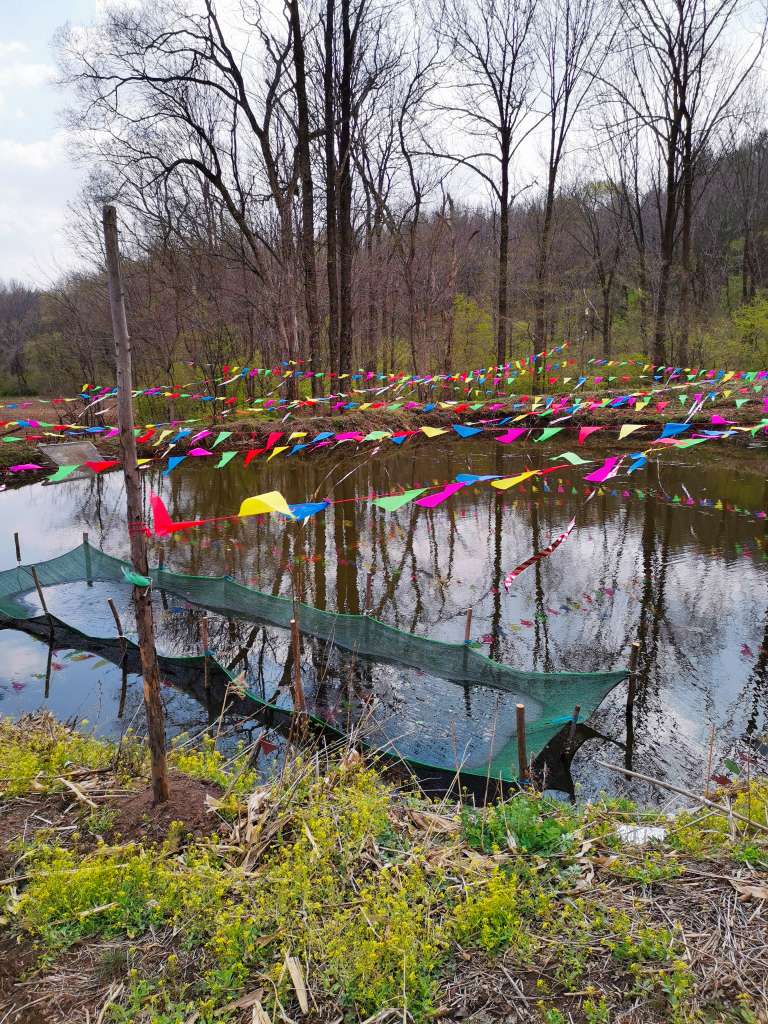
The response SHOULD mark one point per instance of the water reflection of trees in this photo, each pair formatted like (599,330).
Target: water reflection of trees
(673,571)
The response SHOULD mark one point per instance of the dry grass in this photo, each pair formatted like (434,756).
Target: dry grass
(589,951)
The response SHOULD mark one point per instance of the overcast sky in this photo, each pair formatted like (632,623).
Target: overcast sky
(36,178)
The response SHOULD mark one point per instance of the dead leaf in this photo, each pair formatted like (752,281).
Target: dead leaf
(586,880)
(429,821)
(297,977)
(604,861)
(747,891)
(259,1014)
(249,999)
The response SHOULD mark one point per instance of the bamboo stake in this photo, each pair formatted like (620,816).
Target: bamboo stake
(468,626)
(704,801)
(522,757)
(142,601)
(18,547)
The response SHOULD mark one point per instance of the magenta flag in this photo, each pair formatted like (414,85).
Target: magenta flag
(608,469)
(433,500)
(511,435)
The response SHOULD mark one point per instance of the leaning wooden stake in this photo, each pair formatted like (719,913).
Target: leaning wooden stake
(634,653)
(141,596)
(298,689)
(204,645)
(522,756)
(18,547)
(123,656)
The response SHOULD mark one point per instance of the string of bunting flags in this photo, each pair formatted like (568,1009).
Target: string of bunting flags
(507,374)
(671,434)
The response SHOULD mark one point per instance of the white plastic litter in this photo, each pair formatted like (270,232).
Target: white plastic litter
(640,835)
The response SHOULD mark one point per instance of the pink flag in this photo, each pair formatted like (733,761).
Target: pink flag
(585,432)
(511,435)
(608,469)
(200,451)
(350,435)
(433,500)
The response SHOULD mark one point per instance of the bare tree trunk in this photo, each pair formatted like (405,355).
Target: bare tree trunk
(304,159)
(329,108)
(346,238)
(685,250)
(501,326)
(141,598)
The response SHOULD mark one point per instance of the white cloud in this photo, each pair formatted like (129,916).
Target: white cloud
(39,155)
(26,74)
(7,49)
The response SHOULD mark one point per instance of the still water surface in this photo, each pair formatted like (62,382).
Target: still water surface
(689,582)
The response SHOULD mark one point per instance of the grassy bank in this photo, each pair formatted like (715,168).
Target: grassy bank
(331,895)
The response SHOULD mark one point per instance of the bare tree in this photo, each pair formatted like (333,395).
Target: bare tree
(492,46)
(682,84)
(573,39)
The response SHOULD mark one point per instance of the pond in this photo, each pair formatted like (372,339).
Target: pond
(674,557)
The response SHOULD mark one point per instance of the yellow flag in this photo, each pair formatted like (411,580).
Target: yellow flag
(629,428)
(511,481)
(272,501)
(433,431)
(276,451)
(297,433)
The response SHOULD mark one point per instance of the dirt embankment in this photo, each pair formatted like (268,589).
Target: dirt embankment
(252,432)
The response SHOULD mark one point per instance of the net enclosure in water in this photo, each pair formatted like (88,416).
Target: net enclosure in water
(549,697)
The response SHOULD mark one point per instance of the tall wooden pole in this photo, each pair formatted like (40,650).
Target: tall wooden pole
(141,598)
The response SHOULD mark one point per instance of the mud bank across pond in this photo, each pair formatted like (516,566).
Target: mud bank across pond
(688,582)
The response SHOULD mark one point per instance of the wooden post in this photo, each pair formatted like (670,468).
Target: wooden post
(204,645)
(634,652)
(468,626)
(572,730)
(141,596)
(161,567)
(18,547)
(298,689)
(88,570)
(48,667)
(522,757)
